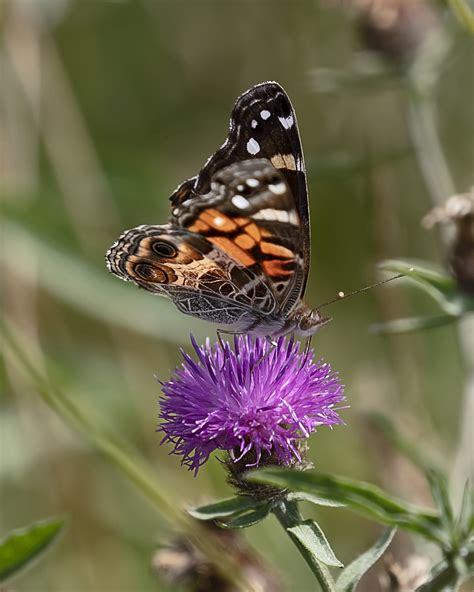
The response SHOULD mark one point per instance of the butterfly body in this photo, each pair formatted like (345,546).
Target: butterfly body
(236,249)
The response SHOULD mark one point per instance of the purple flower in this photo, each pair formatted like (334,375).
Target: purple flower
(249,401)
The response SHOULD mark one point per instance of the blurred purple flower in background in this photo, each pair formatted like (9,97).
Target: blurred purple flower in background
(249,401)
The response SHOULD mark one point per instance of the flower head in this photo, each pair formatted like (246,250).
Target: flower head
(251,400)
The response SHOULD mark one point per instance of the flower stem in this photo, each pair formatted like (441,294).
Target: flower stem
(288,514)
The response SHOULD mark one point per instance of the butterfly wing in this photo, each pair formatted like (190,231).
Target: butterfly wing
(262,126)
(251,217)
(196,275)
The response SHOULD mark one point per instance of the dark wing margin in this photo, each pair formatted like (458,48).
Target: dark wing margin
(262,125)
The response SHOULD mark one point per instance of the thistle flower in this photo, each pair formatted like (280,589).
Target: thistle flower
(255,401)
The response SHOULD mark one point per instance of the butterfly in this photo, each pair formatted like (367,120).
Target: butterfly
(236,250)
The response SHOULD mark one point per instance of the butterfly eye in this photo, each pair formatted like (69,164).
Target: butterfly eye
(163,249)
(149,273)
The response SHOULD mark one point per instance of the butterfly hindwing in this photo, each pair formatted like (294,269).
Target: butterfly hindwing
(196,275)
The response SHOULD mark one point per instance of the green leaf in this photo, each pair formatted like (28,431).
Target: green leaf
(228,507)
(465,521)
(249,518)
(20,547)
(445,575)
(408,325)
(310,535)
(434,281)
(422,271)
(439,491)
(352,574)
(364,498)
(302,496)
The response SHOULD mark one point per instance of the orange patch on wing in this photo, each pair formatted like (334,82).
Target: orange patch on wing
(253,230)
(277,250)
(274,268)
(245,241)
(232,250)
(217,220)
(199,226)
(241,221)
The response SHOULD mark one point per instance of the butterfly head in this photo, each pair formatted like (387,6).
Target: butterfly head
(308,320)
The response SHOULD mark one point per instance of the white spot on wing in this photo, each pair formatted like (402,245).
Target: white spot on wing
(265,114)
(254,123)
(272,215)
(253,182)
(240,202)
(253,147)
(287,122)
(278,188)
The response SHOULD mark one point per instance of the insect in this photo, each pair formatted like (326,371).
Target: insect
(236,250)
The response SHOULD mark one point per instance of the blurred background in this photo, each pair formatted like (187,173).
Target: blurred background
(106,106)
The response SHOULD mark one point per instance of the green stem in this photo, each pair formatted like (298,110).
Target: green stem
(288,515)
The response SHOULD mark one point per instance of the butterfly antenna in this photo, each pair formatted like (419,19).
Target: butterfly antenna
(343,295)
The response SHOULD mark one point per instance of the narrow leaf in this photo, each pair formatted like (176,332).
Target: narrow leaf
(310,536)
(302,496)
(410,324)
(249,518)
(422,271)
(445,576)
(361,497)
(465,521)
(439,491)
(352,574)
(224,508)
(20,547)
(435,282)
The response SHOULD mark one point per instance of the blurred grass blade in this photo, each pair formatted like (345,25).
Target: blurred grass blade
(412,324)
(301,496)
(392,434)
(131,465)
(311,536)
(463,13)
(92,292)
(224,508)
(352,574)
(364,498)
(249,518)
(21,547)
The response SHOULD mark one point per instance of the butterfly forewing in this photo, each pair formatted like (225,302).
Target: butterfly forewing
(250,214)
(262,125)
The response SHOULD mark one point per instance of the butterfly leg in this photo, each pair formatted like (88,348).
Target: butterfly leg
(219,338)
(307,346)
(273,345)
